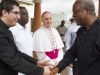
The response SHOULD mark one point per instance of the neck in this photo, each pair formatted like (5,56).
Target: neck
(90,22)
(47,26)
(62,25)
(5,21)
(23,25)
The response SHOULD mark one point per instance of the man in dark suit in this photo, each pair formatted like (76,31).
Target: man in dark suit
(12,60)
(87,43)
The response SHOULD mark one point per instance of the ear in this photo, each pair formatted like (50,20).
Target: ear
(41,18)
(4,12)
(88,11)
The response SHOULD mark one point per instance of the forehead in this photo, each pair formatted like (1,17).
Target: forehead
(15,8)
(77,5)
(46,15)
(23,10)
(62,21)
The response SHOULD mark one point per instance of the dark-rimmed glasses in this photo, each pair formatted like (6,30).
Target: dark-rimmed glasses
(15,12)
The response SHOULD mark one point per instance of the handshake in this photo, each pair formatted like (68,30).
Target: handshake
(49,69)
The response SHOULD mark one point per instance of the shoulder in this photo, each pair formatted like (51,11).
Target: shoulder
(97,23)
(65,27)
(38,31)
(70,26)
(2,33)
(13,28)
(1,30)
(54,29)
(80,30)
(58,26)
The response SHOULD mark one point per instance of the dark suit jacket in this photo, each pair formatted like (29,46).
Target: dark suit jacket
(12,60)
(87,50)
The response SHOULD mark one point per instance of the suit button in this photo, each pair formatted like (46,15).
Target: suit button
(84,32)
(82,40)
(80,49)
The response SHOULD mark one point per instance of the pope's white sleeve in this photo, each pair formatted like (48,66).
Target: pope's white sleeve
(43,56)
(60,55)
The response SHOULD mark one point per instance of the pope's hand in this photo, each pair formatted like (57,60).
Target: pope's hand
(46,70)
(44,63)
(54,70)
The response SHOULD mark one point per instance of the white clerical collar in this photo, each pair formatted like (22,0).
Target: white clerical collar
(47,28)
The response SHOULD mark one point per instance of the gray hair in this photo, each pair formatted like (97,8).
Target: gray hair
(88,4)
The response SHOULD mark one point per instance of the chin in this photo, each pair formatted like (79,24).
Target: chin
(48,26)
(13,25)
(77,23)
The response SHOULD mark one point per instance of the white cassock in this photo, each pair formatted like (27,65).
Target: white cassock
(42,42)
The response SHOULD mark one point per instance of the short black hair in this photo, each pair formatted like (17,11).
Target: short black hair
(21,7)
(7,5)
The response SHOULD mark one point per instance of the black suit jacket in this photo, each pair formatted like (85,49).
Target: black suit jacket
(87,50)
(12,60)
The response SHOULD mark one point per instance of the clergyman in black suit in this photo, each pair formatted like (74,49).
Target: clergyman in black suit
(12,60)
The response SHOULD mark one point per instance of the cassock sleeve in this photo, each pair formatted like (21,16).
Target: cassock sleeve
(43,56)
(60,55)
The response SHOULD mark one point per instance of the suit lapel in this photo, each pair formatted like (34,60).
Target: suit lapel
(8,34)
(10,38)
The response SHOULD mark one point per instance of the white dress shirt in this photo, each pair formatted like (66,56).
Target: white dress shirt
(70,35)
(23,39)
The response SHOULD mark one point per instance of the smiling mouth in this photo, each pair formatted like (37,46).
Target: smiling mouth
(16,21)
(75,19)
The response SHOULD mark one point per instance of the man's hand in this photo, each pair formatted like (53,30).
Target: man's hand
(44,63)
(71,65)
(47,70)
(54,71)
(61,34)
(56,63)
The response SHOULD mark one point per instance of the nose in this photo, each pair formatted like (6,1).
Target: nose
(18,16)
(49,20)
(27,15)
(73,15)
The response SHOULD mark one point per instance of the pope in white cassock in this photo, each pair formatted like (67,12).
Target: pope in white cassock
(47,41)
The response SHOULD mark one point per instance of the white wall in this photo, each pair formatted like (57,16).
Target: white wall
(59,11)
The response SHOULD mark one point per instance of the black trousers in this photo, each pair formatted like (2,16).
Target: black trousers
(75,68)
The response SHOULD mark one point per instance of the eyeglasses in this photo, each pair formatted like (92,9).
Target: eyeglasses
(15,12)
